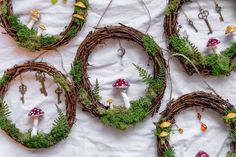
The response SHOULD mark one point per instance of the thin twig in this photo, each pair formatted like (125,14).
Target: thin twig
(103,14)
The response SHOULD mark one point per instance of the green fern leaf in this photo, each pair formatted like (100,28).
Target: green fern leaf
(144,74)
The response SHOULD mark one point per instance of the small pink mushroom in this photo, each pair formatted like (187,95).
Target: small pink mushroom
(123,85)
(202,154)
(35,114)
(212,43)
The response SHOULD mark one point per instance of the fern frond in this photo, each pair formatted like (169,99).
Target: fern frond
(96,90)
(144,74)
(4,109)
(61,120)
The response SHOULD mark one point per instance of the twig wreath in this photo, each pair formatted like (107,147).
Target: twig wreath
(61,126)
(120,117)
(214,64)
(33,40)
(195,99)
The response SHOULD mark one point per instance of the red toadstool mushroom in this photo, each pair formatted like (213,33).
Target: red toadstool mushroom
(212,43)
(123,85)
(35,113)
(202,154)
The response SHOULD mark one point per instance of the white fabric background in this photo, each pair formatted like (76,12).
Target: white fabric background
(89,137)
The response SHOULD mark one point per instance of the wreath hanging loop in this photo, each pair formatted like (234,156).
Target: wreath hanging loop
(33,39)
(61,126)
(215,64)
(134,111)
(195,99)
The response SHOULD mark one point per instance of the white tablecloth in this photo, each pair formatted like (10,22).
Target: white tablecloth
(89,137)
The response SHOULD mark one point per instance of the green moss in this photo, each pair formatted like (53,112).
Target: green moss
(149,44)
(169,153)
(77,71)
(59,131)
(4,79)
(83,97)
(61,81)
(172,6)
(219,64)
(3,8)
(72,32)
(123,118)
(28,37)
(81,11)
(231,154)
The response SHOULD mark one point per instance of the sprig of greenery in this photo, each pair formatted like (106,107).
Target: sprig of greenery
(144,74)
(4,79)
(169,153)
(77,71)
(96,90)
(61,81)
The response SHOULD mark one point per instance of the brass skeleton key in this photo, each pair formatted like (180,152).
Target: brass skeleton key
(41,78)
(203,15)
(22,89)
(218,10)
(58,91)
(190,22)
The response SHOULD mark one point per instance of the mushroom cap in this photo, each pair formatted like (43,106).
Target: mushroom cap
(212,42)
(164,134)
(78,16)
(121,83)
(42,26)
(36,112)
(202,154)
(230,29)
(80,4)
(35,14)
(165,124)
(110,100)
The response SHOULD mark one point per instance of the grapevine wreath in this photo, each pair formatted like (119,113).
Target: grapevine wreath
(32,39)
(120,117)
(195,99)
(61,126)
(215,64)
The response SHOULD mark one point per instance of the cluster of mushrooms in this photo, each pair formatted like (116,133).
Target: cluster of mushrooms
(35,16)
(213,42)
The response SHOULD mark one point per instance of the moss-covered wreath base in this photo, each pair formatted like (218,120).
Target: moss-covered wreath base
(28,38)
(196,99)
(61,126)
(120,117)
(216,65)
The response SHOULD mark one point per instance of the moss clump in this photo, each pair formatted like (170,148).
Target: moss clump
(61,81)
(169,153)
(28,37)
(3,8)
(81,11)
(4,79)
(231,154)
(59,131)
(83,97)
(123,118)
(172,6)
(77,71)
(219,64)
(149,44)
(72,32)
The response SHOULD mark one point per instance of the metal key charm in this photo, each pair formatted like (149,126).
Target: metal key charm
(218,10)
(203,15)
(58,91)
(41,78)
(190,22)
(22,89)
(121,52)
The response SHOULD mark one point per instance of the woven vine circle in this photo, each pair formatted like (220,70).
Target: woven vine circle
(29,39)
(61,126)
(119,117)
(195,99)
(216,65)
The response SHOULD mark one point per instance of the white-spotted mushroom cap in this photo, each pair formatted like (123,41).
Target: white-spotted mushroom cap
(213,42)
(121,83)
(35,15)
(36,112)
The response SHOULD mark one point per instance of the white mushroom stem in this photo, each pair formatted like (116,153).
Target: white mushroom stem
(125,98)
(111,105)
(40,31)
(34,131)
(233,36)
(31,23)
(215,50)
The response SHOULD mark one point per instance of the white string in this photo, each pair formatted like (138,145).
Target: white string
(149,16)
